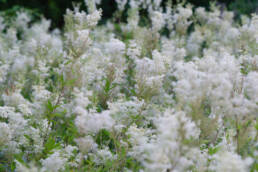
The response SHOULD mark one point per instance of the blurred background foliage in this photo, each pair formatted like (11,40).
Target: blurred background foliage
(55,9)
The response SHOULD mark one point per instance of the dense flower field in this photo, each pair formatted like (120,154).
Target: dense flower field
(166,89)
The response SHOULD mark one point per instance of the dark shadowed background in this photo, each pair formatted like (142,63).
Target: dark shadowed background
(55,9)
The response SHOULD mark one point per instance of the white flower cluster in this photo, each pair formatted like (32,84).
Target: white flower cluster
(176,92)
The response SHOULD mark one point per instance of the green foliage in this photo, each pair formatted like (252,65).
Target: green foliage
(49,146)
(244,6)
(129,87)
(104,138)
(213,150)
(105,94)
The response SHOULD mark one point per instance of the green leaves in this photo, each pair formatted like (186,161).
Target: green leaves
(49,146)
(108,86)
(62,127)
(50,113)
(213,150)
(50,106)
(105,94)
(3,1)
(129,87)
(104,138)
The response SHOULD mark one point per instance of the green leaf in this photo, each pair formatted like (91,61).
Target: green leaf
(50,145)
(212,151)
(19,158)
(49,105)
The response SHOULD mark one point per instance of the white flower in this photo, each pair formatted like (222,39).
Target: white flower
(5,134)
(93,18)
(124,111)
(121,4)
(93,122)
(86,144)
(102,155)
(115,47)
(22,20)
(21,167)
(229,161)
(54,162)
(157,20)
(40,93)
(251,86)
(6,111)
(134,50)
(14,99)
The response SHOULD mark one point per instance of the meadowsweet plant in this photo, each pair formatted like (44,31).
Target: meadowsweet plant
(159,87)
